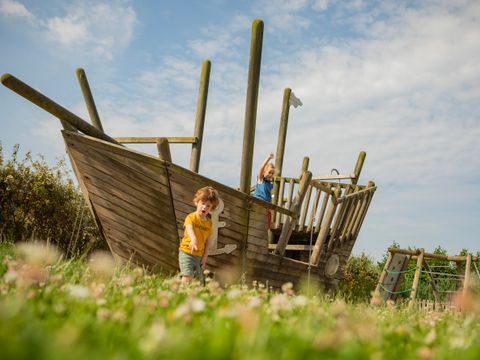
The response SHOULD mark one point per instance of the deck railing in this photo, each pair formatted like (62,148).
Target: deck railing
(332,210)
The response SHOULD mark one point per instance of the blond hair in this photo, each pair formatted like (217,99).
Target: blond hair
(209,194)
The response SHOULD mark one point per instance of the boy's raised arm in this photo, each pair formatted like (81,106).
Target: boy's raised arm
(262,167)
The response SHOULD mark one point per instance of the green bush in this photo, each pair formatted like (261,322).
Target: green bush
(42,203)
(360,278)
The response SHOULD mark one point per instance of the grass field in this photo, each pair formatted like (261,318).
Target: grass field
(56,309)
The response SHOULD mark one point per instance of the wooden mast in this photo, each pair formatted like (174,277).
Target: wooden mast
(251,105)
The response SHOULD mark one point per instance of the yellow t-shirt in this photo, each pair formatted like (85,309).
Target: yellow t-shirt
(202,230)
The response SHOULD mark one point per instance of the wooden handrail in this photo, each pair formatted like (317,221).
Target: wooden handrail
(354,194)
(154,140)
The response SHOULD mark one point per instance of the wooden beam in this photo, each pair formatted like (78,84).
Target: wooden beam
(154,140)
(296,247)
(64,115)
(88,98)
(432,256)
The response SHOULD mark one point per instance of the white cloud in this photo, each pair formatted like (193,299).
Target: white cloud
(98,29)
(15,9)
(67,30)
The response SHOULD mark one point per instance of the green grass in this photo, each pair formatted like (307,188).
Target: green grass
(57,309)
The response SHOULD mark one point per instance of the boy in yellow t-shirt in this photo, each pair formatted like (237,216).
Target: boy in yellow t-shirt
(197,235)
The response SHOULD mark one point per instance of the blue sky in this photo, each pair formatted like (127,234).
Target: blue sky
(397,79)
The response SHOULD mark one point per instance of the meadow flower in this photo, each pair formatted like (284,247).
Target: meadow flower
(37,254)
(287,288)
(79,292)
(280,302)
(197,305)
(101,265)
(234,293)
(299,301)
(254,302)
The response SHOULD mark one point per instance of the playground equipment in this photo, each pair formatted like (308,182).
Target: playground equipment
(139,201)
(456,271)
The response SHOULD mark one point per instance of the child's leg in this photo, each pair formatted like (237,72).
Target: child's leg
(198,268)
(187,266)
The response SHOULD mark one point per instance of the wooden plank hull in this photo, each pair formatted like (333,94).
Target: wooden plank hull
(140,202)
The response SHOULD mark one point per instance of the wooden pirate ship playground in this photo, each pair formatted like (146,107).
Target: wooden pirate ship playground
(140,201)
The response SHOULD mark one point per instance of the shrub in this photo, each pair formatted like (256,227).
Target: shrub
(39,202)
(360,278)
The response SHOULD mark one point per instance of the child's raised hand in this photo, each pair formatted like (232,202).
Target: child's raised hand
(270,156)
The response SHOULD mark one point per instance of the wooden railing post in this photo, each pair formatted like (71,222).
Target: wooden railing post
(88,97)
(251,105)
(288,225)
(324,228)
(363,211)
(200,116)
(358,166)
(164,150)
(416,279)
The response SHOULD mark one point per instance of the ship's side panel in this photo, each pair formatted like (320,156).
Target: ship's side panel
(130,196)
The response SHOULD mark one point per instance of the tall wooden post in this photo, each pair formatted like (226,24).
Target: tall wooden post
(282,137)
(88,97)
(416,279)
(251,105)
(200,116)
(466,280)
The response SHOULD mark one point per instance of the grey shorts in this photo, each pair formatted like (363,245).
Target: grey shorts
(190,265)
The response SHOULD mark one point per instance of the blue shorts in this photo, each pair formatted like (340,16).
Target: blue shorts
(190,265)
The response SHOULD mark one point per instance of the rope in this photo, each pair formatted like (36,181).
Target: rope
(395,292)
(400,272)
(447,274)
(441,266)
(476,269)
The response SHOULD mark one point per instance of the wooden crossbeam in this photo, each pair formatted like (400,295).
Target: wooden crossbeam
(154,140)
